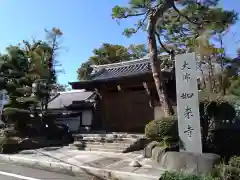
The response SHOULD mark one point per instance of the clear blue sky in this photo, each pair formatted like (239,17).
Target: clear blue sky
(85,24)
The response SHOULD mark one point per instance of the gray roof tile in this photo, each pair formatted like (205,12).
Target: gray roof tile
(126,68)
(66,98)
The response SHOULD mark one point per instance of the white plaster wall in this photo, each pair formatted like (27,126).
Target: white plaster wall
(87,118)
(73,123)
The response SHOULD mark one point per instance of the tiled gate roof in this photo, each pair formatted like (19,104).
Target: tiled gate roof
(126,68)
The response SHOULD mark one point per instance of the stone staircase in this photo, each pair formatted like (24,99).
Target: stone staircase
(114,142)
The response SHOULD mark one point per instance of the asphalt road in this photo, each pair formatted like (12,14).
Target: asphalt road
(16,172)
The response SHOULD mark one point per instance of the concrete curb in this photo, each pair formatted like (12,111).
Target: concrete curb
(74,170)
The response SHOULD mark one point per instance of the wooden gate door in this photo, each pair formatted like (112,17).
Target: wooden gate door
(127,111)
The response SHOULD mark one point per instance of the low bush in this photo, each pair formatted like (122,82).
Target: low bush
(220,127)
(9,144)
(234,161)
(15,112)
(160,129)
(225,172)
(182,176)
(225,142)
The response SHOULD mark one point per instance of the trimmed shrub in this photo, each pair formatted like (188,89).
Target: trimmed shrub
(182,176)
(160,129)
(9,144)
(13,114)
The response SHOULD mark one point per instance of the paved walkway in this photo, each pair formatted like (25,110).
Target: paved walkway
(102,164)
(10,171)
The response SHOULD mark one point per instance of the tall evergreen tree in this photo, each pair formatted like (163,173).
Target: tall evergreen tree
(174,20)
(110,53)
(23,66)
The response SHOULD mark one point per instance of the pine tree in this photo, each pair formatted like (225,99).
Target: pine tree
(110,53)
(22,67)
(164,20)
(14,67)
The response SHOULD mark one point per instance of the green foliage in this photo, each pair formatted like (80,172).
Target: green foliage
(164,129)
(14,112)
(110,53)
(178,27)
(22,65)
(224,141)
(9,144)
(60,87)
(84,71)
(236,106)
(234,161)
(234,87)
(181,176)
(225,172)
(190,28)
(51,47)
(137,51)
(219,110)
(218,118)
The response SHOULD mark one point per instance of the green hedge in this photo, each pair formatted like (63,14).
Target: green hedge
(162,128)
(182,176)
(221,172)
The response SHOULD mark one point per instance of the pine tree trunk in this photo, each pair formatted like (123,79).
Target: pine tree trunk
(156,71)
(210,75)
(222,87)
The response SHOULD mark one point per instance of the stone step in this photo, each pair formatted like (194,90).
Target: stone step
(122,145)
(106,146)
(110,140)
(111,135)
(104,150)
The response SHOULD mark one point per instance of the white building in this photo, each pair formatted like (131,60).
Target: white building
(75,108)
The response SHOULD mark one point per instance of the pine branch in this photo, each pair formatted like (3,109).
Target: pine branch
(186,17)
(161,8)
(129,32)
(195,21)
(124,13)
(133,15)
(162,45)
(171,52)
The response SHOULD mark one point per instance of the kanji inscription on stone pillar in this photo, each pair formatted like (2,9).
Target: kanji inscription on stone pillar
(188,103)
